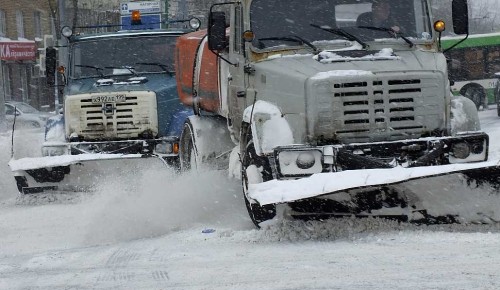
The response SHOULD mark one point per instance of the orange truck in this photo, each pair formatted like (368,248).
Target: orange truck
(325,114)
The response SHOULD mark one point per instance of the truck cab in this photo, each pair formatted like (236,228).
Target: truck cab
(119,95)
(326,103)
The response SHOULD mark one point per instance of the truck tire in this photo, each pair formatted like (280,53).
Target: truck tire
(187,149)
(255,166)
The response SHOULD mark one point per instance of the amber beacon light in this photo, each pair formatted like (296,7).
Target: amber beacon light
(439,26)
(136,17)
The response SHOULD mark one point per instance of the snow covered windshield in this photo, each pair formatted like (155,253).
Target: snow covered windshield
(125,55)
(275,22)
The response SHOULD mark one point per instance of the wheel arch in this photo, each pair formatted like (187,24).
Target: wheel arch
(269,127)
(471,85)
(465,117)
(209,135)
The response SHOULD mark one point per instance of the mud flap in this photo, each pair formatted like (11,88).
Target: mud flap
(79,173)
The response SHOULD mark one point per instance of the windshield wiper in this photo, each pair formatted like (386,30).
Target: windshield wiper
(164,67)
(129,68)
(387,29)
(343,33)
(98,69)
(293,38)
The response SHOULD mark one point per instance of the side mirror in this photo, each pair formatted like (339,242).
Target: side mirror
(50,65)
(217,31)
(460,13)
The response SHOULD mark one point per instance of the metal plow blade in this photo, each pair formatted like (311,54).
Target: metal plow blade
(459,193)
(283,191)
(78,173)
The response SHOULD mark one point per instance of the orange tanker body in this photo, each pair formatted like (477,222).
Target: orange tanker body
(197,71)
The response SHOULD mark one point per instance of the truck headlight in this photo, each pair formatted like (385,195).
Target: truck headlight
(305,160)
(460,150)
(164,148)
(300,162)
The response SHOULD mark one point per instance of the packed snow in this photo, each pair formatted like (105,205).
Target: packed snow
(330,56)
(162,230)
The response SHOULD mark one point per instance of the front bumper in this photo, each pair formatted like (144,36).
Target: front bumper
(302,172)
(164,147)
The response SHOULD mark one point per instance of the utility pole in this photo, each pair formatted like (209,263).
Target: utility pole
(60,43)
(3,125)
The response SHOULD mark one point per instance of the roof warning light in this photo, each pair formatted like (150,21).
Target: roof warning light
(136,17)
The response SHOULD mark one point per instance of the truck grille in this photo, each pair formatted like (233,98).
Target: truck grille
(378,108)
(114,120)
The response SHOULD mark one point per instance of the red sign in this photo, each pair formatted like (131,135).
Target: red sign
(17,50)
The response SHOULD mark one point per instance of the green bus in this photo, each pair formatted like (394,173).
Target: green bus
(472,66)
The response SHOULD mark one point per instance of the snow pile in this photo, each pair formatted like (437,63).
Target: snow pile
(155,203)
(332,229)
(234,170)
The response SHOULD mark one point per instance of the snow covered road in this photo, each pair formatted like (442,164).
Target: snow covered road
(149,235)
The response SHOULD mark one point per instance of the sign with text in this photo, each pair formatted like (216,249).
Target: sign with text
(14,50)
(145,7)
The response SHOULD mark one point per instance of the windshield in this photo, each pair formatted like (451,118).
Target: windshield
(279,18)
(124,55)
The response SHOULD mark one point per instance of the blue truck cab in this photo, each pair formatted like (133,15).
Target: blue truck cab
(119,95)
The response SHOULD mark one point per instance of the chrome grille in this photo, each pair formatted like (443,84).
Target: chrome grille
(116,120)
(377,108)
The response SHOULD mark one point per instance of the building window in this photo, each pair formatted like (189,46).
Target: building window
(3,25)
(37,19)
(20,24)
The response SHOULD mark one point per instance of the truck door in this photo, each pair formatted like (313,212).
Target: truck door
(237,98)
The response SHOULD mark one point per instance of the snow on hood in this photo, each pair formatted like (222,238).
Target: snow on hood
(301,66)
(339,73)
(330,56)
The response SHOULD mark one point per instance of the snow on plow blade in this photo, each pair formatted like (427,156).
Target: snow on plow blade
(321,184)
(76,172)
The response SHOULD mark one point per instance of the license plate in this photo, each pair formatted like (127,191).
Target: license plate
(108,99)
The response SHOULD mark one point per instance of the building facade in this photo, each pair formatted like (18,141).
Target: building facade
(23,26)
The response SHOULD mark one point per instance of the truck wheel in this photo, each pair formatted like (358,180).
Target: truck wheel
(255,169)
(187,153)
(476,95)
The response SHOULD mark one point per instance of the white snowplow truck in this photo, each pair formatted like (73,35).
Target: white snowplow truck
(120,107)
(333,112)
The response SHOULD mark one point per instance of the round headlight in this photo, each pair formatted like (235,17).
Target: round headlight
(194,23)
(460,150)
(305,160)
(66,31)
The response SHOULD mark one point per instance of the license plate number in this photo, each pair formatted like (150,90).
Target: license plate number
(108,99)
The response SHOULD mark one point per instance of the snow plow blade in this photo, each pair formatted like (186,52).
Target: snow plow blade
(76,173)
(322,184)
